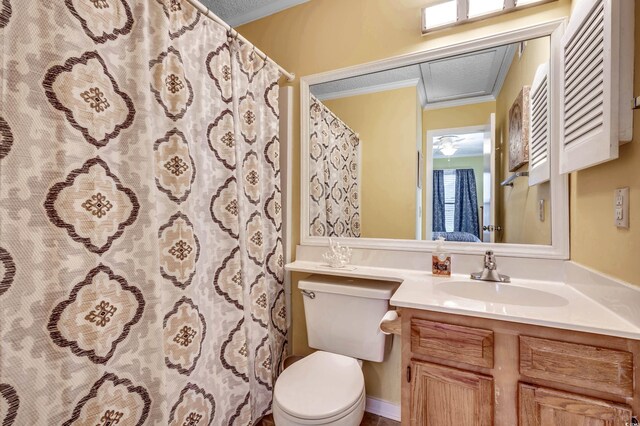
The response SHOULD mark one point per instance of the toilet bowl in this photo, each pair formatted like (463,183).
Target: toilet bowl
(342,318)
(321,389)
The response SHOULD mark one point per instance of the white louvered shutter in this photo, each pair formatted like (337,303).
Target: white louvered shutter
(593,69)
(540,128)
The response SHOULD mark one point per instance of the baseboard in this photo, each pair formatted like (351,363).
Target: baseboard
(383,408)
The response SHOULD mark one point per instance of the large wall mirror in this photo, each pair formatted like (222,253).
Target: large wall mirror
(458,143)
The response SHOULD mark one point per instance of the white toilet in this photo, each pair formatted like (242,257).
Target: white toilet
(327,387)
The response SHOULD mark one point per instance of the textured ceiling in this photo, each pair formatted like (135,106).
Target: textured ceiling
(469,78)
(479,74)
(238,12)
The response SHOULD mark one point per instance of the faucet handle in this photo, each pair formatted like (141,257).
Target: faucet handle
(490,260)
(490,271)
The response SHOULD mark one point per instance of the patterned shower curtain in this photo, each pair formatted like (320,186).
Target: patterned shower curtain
(141,263)
(334,163)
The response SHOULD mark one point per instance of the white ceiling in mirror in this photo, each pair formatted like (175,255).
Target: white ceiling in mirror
(466,145)
(459,80)
(239,12)
(477,77)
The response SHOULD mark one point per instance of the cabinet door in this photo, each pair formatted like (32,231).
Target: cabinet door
(443,396)
(597,76)
(546,407)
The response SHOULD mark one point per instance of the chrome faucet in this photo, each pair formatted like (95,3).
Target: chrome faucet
(490,270)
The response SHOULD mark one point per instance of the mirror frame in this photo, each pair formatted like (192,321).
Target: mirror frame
(559,248)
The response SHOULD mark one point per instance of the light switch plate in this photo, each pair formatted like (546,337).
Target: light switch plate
(541,213)
(621,207)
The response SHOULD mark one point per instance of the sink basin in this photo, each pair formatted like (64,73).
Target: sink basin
(501,293)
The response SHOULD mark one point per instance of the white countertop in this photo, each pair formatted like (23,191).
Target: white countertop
(567,308)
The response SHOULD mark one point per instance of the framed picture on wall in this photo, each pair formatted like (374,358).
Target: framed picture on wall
(519,117)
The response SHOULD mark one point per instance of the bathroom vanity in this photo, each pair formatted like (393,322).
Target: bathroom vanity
(532,352)
(527,353)
(560,345)
(461,370)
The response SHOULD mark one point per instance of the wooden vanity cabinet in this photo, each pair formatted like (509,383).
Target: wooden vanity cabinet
(447,396)
(468,371)
(539,406)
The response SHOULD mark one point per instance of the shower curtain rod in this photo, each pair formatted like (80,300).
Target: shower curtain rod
(209,14)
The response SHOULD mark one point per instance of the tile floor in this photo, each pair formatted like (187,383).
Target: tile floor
(368,420)
(373,420)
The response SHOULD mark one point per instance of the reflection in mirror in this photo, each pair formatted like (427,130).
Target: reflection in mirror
(335,174)
(456,148)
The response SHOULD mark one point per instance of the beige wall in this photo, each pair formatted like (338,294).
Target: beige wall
(517,207)
(386,122)
(595,241)
(324,35)
(453,118)
(460,116)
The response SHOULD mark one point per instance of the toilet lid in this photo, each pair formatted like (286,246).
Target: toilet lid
(320,385)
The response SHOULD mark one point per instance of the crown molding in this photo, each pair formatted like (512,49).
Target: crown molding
(461,102)
(412,82)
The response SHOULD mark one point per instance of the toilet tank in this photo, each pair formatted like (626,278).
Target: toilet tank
(343,315)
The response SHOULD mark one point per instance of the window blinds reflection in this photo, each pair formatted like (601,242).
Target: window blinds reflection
(449,199)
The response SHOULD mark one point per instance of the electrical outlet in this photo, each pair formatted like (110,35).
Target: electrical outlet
(621,207)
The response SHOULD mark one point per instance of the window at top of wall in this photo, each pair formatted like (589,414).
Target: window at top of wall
(440,14)
(527,2)
(484,7)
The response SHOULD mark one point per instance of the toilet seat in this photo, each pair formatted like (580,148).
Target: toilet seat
(351,417)
(320,388)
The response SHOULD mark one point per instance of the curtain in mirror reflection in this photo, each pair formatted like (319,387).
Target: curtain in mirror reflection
(335,175)
(455,205)
(465,217)
(398,111)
